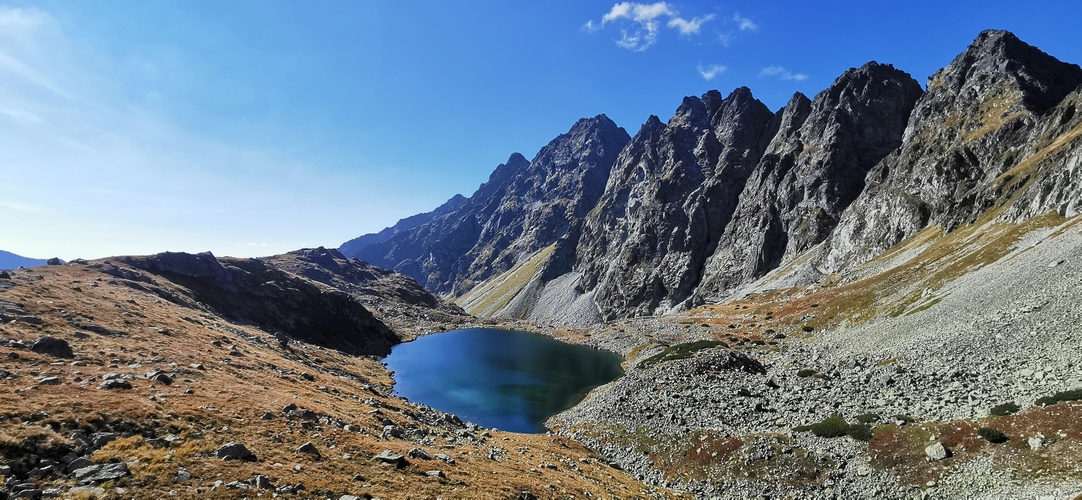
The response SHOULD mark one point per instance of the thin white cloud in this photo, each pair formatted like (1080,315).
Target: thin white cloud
(618,11)
(649,12)
(21,207)
(687,27)
(782,73)
(709,72)
(642,23)
(744,23)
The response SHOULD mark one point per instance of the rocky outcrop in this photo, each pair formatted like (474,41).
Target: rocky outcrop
(728,196)
(397,300)
(811,173)
(672,192)
(252,290)
(977,136)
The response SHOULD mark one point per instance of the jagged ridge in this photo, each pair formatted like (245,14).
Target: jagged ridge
(727,192)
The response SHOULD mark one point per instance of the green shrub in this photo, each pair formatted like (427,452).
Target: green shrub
(836,426)
(992,435)
(832,427)
(1004,409)
(806,372)
(860,432)
(681,351)
(1059,397)
(867,418)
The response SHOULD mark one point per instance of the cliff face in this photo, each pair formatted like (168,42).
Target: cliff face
(670,196)
(251,290)
(523,208)
(725,193)
(813,169)
(975,138)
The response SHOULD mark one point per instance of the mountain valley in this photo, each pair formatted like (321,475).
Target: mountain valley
(870,293)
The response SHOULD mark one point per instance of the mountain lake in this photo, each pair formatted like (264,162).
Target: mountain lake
(504,379)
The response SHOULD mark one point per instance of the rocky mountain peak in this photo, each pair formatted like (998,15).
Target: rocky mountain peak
(792,116)
(507,169)
(999,60)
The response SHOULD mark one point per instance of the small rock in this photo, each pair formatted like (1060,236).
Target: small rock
(445,458)
(1036,442)
(435,473)
(936,451)
(182,475)
(234,451)
(55,261)
(392,431)
(115,383)
(160,377)
(99,439)
(267,415)
(419,453)
(77,464)
(390,457)
(307,376)
(308,448)
(525,495)
(289,407)
(100,473)
(27,493)
(49,381)
(262,482)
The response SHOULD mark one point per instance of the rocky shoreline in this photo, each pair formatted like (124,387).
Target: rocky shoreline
(1006,333)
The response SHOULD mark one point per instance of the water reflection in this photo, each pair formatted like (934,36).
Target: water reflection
(506,379)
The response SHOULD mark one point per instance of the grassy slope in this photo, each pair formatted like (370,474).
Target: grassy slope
(227,398)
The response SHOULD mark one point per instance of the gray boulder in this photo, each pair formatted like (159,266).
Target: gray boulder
(100,473)
(53,347)
(936,451)
(234,451)
(391,457)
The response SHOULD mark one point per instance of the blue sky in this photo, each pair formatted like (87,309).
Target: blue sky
(256,127)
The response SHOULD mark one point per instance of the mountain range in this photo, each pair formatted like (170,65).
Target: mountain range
(870,293)
(729,197)
(9,260)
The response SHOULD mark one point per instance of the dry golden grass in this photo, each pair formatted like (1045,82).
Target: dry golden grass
(224,400)
(900,450)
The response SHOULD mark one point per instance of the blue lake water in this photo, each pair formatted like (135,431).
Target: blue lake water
(505,379)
